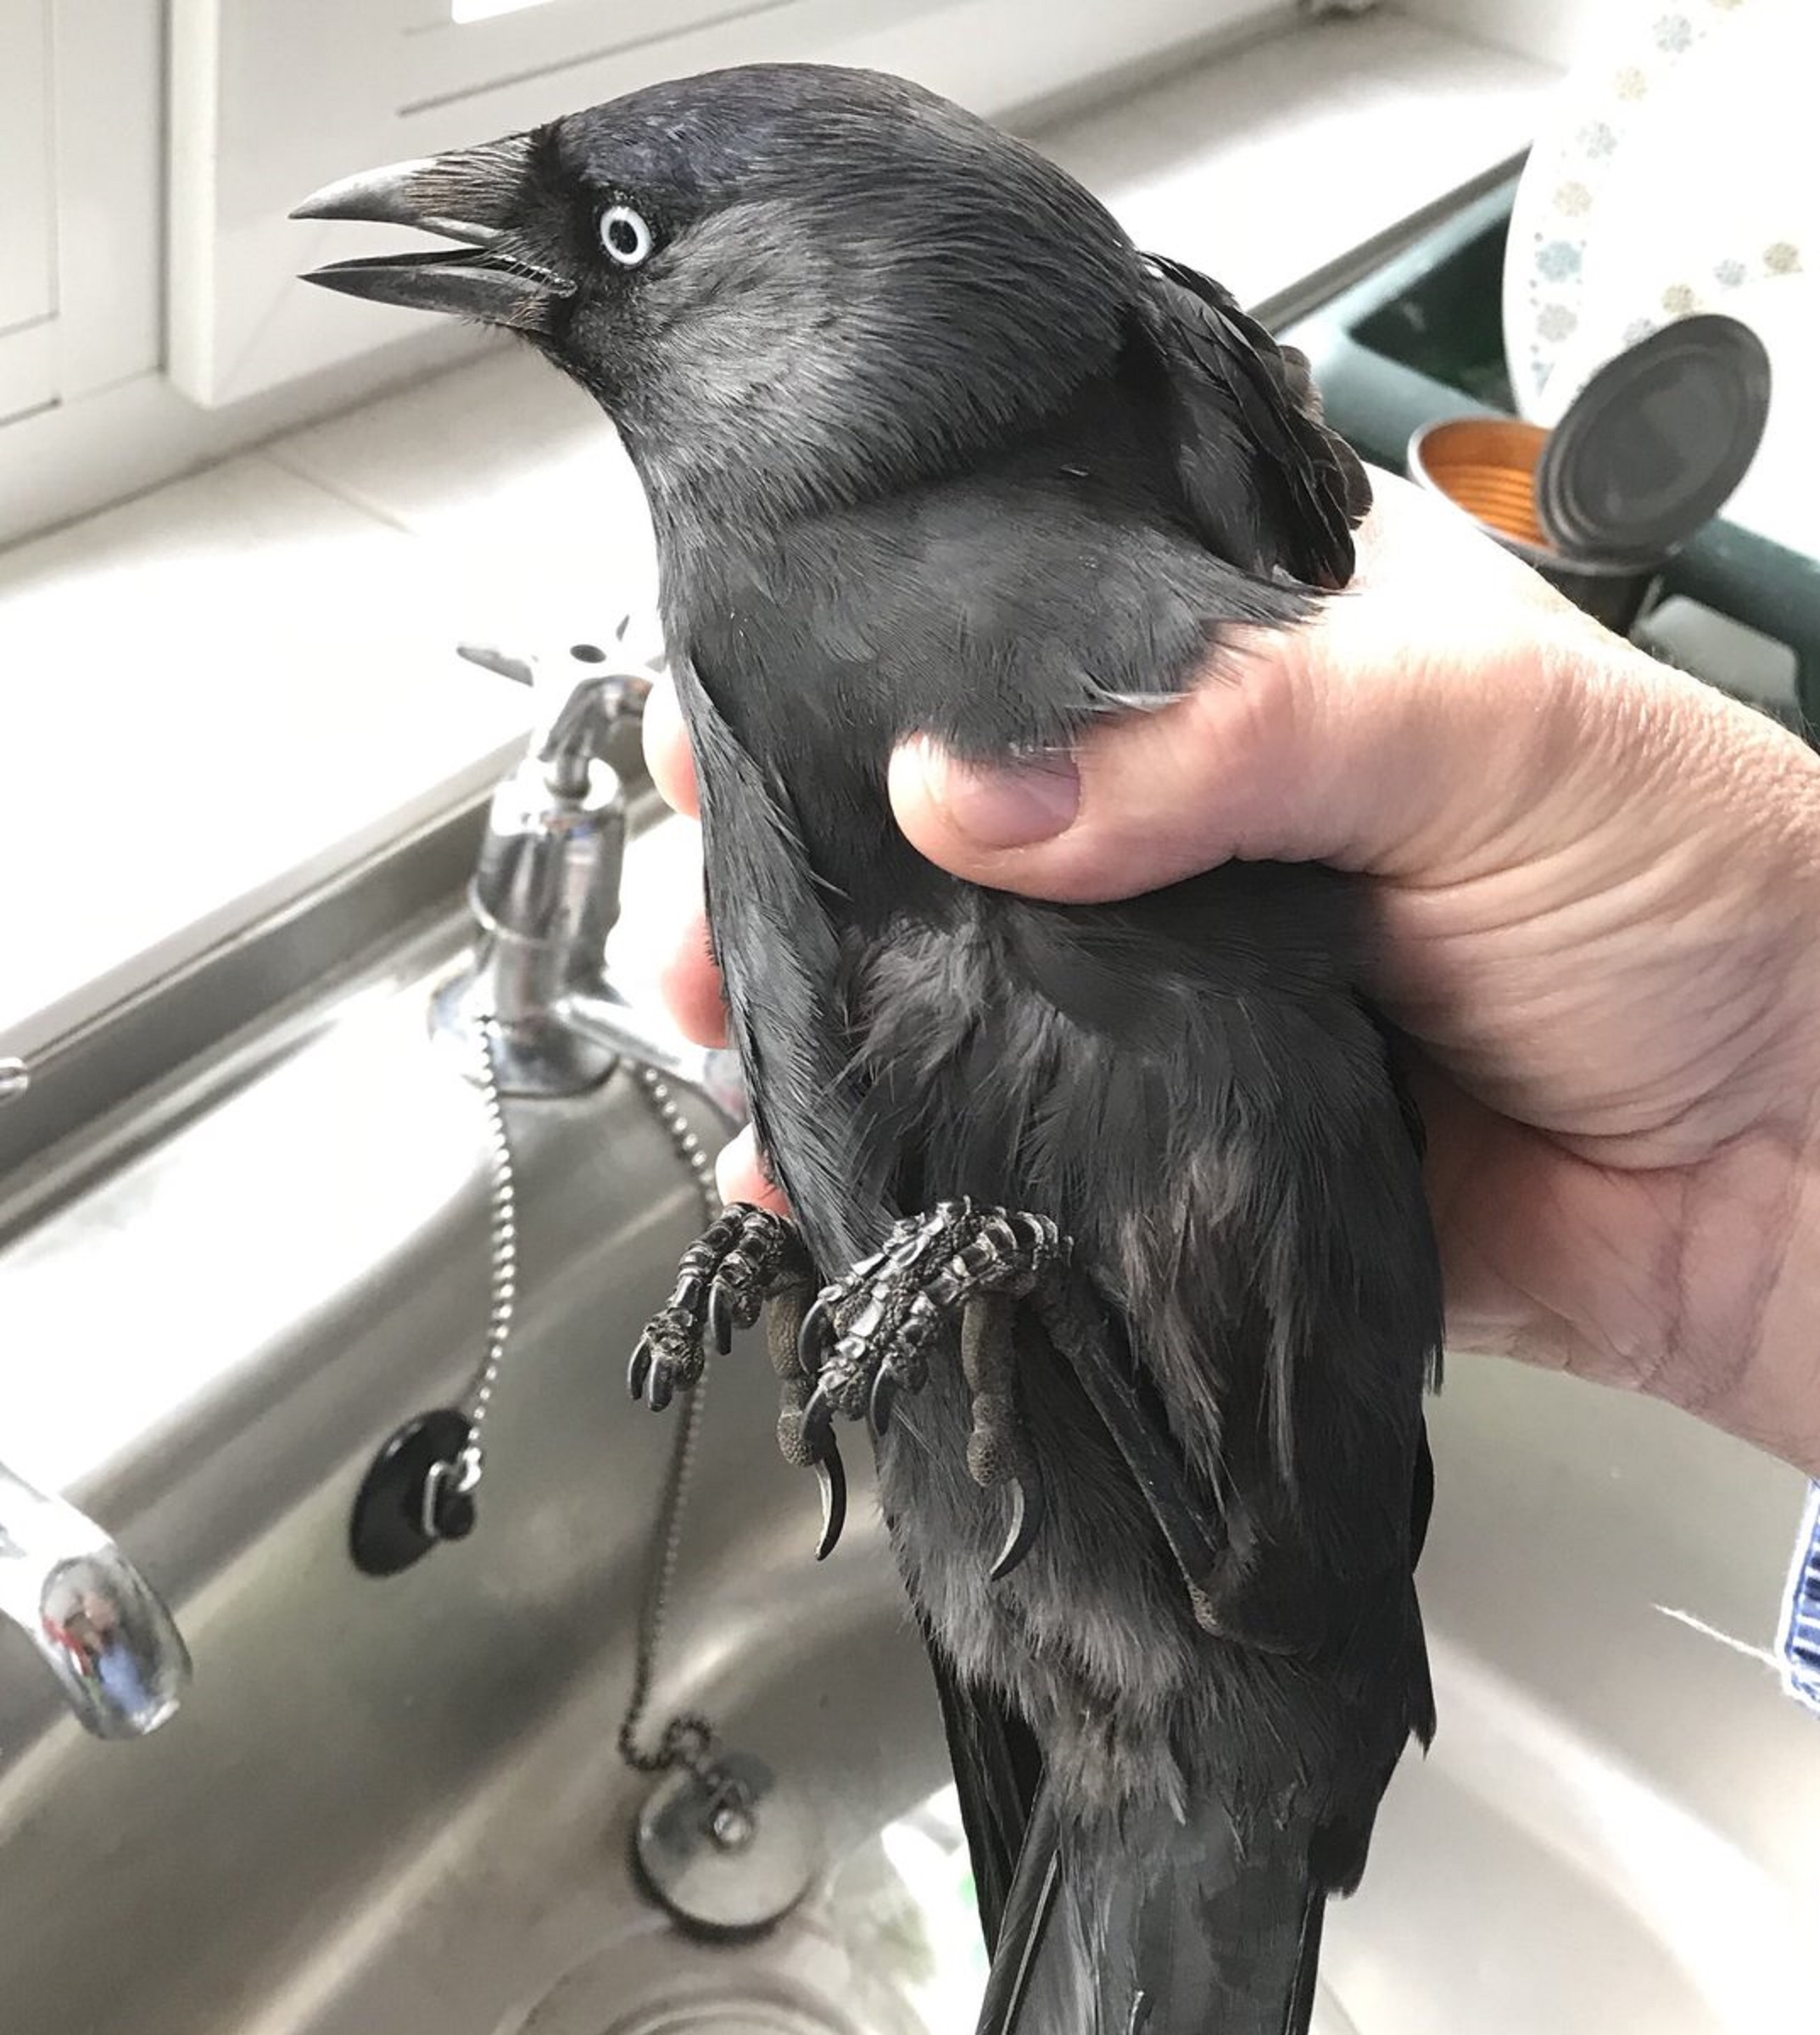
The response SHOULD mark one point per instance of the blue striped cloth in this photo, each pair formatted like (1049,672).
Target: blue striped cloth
(1800,1644)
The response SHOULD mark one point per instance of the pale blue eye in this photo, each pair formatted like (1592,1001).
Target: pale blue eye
(625,236)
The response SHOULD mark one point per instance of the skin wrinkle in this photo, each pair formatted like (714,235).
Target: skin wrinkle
(1570,926)
(1717,1362)
(1458,1203)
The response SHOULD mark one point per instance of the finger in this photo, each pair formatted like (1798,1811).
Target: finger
(1361,738)
(691,985)
(668,755)
(741,1175)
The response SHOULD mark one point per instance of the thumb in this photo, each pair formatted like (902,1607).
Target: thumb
(1412,729)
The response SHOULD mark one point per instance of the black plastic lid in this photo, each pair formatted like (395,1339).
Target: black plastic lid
(1654,445)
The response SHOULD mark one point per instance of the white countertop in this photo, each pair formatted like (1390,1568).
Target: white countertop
(256,664)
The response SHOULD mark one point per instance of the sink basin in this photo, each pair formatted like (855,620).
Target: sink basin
(396,1804)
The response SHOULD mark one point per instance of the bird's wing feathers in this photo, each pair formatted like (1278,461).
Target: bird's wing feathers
(805,1108)
(1225,369)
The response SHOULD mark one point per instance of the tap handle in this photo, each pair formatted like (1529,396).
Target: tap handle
(585,723)
(529,668)
(597,690)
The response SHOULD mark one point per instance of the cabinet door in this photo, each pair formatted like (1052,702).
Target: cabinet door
(28,295)
(82,225)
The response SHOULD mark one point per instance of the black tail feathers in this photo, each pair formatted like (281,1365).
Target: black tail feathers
(1155,1926)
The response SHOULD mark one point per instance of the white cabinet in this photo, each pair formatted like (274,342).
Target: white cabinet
(270,99)
(28,297)
(80,228)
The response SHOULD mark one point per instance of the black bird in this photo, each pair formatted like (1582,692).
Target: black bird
(1120,1206)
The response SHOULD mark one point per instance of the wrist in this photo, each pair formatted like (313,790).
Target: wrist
(1758,1375)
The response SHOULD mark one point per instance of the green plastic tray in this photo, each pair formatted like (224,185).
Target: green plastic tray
(1421,339)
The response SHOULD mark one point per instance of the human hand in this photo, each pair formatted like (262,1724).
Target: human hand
(1598,892)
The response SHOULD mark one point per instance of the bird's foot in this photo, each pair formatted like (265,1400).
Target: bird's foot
(868,1337)
(748,1261)
(747,1256)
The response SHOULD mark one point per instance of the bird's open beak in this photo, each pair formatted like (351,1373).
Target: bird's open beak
(475,196)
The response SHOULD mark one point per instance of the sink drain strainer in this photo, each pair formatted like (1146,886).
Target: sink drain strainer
(803,1980)
(731,2017)
(728,1851)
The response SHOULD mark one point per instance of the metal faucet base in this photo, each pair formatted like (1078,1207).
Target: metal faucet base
(538,1055)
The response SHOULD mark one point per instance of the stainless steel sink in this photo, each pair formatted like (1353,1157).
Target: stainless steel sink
(394,1808)
(396,1804)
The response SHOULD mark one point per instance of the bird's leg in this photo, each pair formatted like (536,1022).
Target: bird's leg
(1074,1320)
(996,1450)
(746,1257)
(868,1337)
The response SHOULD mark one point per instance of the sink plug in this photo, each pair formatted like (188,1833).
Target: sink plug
(419,1488)
(409,1499)
(726,1847)
(720,1844)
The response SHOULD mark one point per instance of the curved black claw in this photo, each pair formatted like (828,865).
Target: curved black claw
(720,1318)
(816,1337)
(870,1337)
(663,1388)
(831,1473)
(817,1424)
(1028,1508)
(885,1387)
(639,1370)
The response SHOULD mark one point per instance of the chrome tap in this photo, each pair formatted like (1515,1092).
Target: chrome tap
(101,1628)
(545,894)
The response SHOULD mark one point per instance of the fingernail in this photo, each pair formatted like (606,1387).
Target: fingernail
(1003,804)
